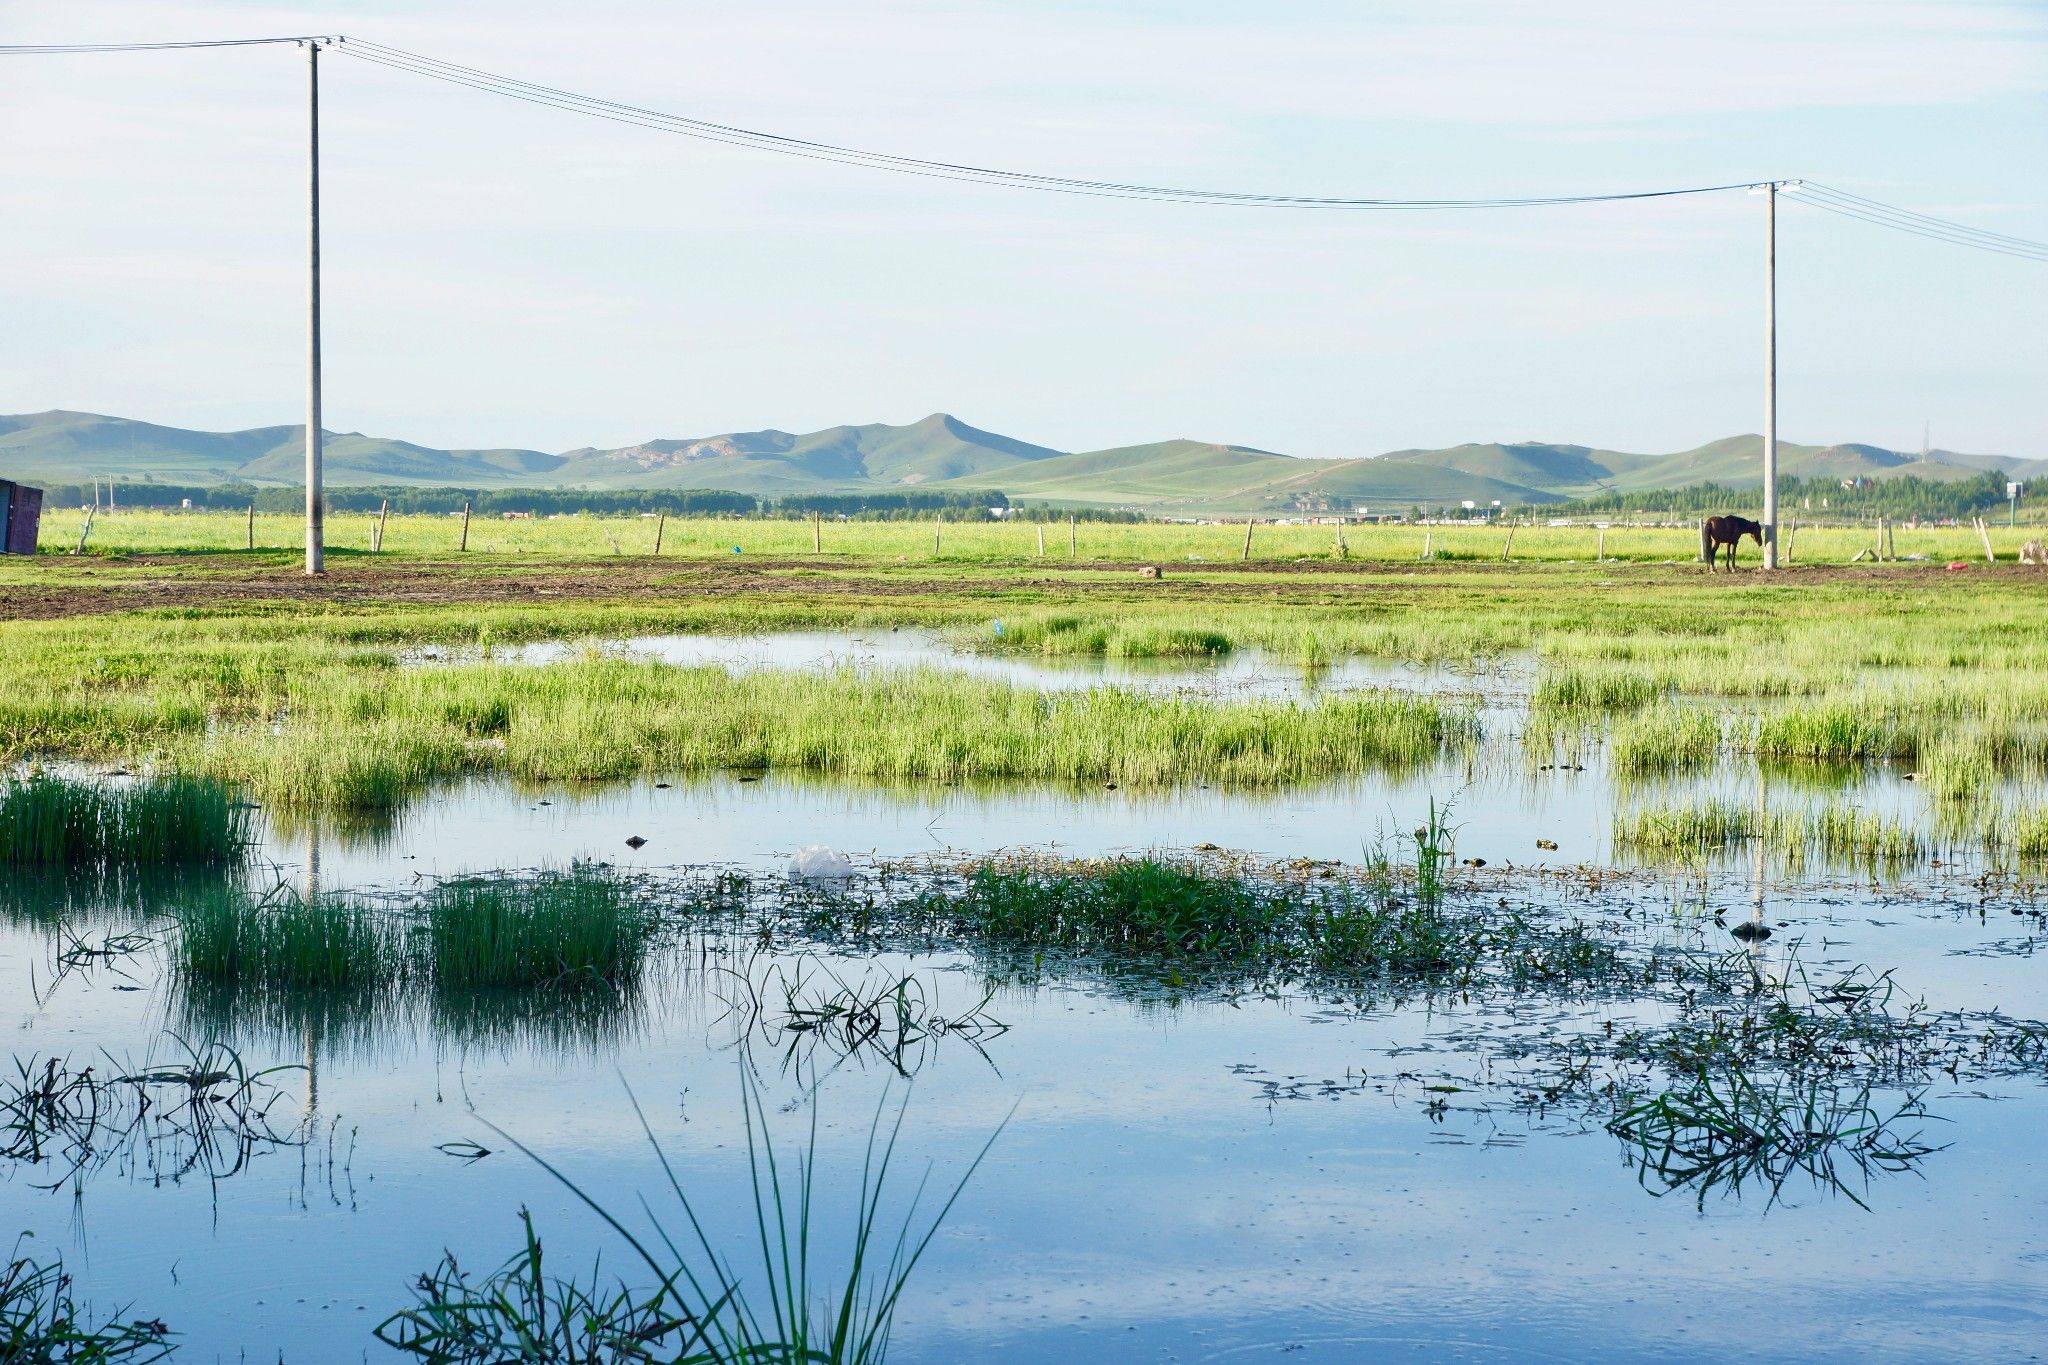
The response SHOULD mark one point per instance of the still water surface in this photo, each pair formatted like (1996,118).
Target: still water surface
(1179,1181)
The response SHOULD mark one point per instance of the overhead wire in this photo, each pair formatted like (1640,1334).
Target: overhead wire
(54,49)
(478,79)
(1943,230)
(1811,193)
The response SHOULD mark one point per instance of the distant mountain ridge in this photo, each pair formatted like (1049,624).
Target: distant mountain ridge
(942,452)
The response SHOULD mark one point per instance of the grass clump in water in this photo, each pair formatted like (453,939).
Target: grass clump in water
(1145,905)
(1193,920)
(582,925)
(41,1324)
(2030,832)
(1599,688)
(279,942)
(521,1313)
(1665,738)
(165,821)
(699,1309)
(1833,732)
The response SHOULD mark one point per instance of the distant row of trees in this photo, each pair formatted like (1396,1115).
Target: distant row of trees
(1901,497)
(894,505)
(1905,496)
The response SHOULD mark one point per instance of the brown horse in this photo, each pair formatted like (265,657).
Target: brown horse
(1716,532)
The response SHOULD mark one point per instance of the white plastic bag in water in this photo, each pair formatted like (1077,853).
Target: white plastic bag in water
(817,863)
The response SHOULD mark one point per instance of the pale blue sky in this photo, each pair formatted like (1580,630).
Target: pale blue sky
(502,274)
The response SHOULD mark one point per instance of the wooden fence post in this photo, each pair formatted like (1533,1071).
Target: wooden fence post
(1041,540)
(1600,548)
(1791,534)
(1073,540)
(465,528)
(1984,534)
(1428,543)
(938,524)
(817,533)
(383,512)
(1246,554)
(252,526)
(660,525)
(1507,548)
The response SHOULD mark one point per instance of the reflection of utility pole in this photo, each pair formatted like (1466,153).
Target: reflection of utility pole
(1757,868)
(309,894)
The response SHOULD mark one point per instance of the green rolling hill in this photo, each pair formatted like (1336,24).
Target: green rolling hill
(1178,477)
(74,446)
(939,448)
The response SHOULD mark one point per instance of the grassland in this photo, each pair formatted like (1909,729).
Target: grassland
(233,666)
(425,537)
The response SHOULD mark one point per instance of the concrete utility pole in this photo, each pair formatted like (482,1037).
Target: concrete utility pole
(1771,375)
(1769,190)
(316,530)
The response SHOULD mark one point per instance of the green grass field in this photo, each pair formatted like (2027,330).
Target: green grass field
(434,537)
(234,666)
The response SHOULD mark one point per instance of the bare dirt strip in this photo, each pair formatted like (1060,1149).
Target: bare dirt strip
(64,588)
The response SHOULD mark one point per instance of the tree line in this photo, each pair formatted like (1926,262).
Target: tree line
(894,505)
(1904,496)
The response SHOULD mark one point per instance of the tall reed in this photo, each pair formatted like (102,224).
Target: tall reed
(57,821)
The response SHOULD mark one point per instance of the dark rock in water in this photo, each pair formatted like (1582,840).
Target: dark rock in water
(663,786)
(1751,932)
(636,842)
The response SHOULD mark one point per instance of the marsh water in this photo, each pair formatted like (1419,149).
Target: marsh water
(1177,1175)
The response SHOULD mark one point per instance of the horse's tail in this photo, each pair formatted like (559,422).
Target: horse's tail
(1706,542)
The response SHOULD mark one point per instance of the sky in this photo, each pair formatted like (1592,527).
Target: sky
(499,274)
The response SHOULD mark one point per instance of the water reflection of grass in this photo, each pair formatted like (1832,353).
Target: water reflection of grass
(1727,1129)
(552,956)
(46,897)
(1835,829)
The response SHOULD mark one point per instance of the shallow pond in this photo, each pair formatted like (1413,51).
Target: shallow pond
(1239,673)
(1179,1176)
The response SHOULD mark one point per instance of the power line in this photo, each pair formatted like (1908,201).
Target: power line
(683,125)
(50,49)
(1820,196)
(1923,218)
(1823,197)
(1945,230)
